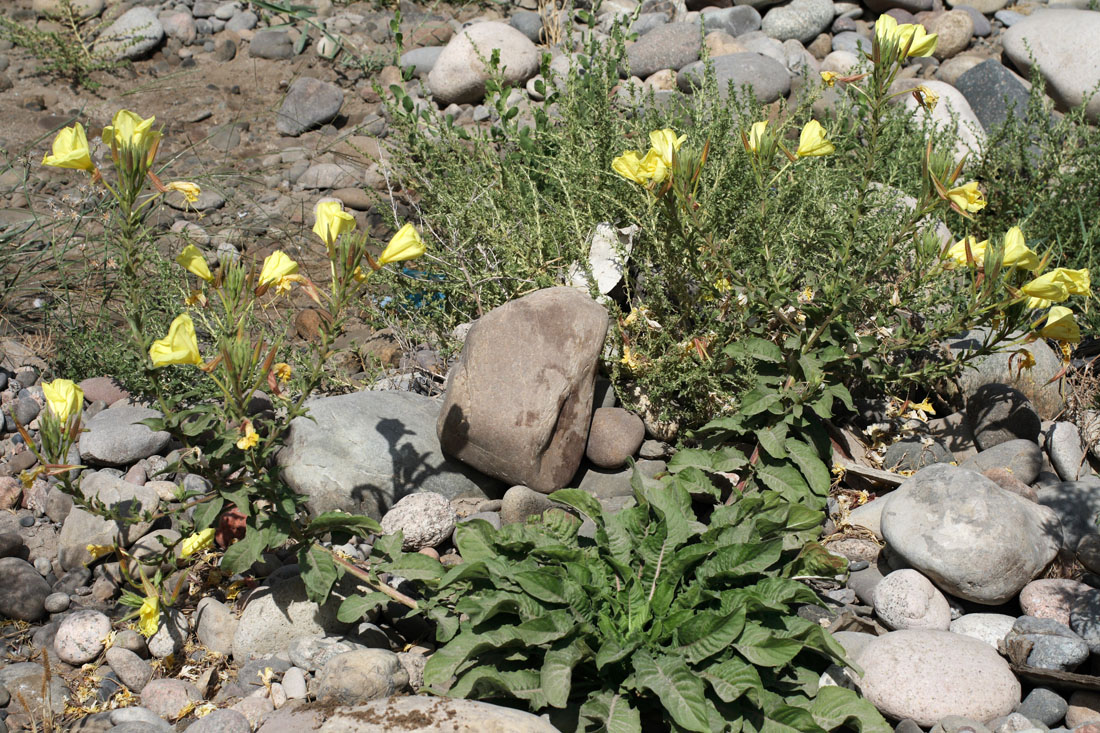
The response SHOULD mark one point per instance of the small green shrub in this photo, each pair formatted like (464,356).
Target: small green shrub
(66,52)
(659,617)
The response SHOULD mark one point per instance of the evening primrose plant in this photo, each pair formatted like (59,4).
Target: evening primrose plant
(230,441)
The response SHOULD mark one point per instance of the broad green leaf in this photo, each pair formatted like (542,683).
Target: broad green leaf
(758,400)
(612,652)
(318,572)
(733,678)
(673,505)
(755,348)
(723,630)
(414,566)
(556,676)
(840,392)
(239,556)
(811,368)
(762,647)
(356,607)
(784,479)
(485,606)
(789,719)
(771,440)
(696,483)
(474,540)
(836,706)
(542,584)
(812,467)
(464,571)
(686,557)
(814,559)
(389,545)
(485,679)
(582,501)
(620,540)
(637,605)
(678,688)
(207,513)
(615,712)
(737,561)
(340,520)
(727,458)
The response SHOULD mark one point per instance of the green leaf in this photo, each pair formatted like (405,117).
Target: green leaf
(582,501)
(340,520)
(475,539)
(789,719)
(758,400)
(389,545)
(614,711)
(485,679)
(733,678)
(755,348)
(771,440)
(784,479)
(543,585)
(812,467)
(679,689)
(697,483)
(764,648)
(318,572)
(836,706)
(464,571)
(356,607)
(724,459)
(207,513)
(414,566)
(243,553)
(840,392)
(556,676)
(733,562)
(673,504)
(713,633)
(811,368)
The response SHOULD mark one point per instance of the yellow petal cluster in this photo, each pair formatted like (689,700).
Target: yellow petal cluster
(656,164)
(249,439)
(277,268)
(282,371)
(829,77)
(926,97)
(957,252)
(1017,253)
(63,398)
(967,197)
(756,135)
(332,221)
(908,39)
(129,129)
(191,259)
(1061,326)
(190,191)
(813,141)
(70,150)
(149,616)
(180,346)
(405,245)
(197,542)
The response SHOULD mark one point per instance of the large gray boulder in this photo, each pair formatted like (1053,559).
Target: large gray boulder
(1046,396)
(460,72)
(1077,506)
(433,714)
(519,401)
(1063,44)
(969,536)
(361,452)
(134,35)
(278,614)
(116,437)
(768,78)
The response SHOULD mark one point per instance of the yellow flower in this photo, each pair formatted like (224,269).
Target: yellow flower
(925,407)
(630,359)
(886,29)
(191,259)
(189,190)
(282,371)
(249,438)
(629,166)
(919,41)
(1037,303)
(926,97)
(127,128)
(1026,359)
(332,221)
(812,142)
(967,197)
(806,296)
(829,77)
(70,150)
(278,267)
(1061,326)
(197,542)
(359,275)
(98,551)
(957,252)
(405,245)
(756,134)
(666,144)
(196,297)
(63,398)
(180,346)
(1047,287)
(1077,282)
(1017,253)
(149,615)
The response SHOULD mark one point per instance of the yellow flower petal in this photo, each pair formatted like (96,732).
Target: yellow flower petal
(1061,326)
(127,128)
(919,41)
(666,143)
(191,259)
(813,142)
(1017,253)
(829,77)
(98,551)
(756,135)
(332,221)
(63,398)
(277,266)
(189,190)
(405,245)
(926,97)
(628,165)
(149,616)
(70,150)
(249,438)
(1077,282)
(1047,287)
(957,252)
(197,542)
(282,371)
(180,346)
(967,197)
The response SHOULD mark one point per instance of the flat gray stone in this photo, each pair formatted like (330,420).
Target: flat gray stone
(767,77)
(308,103)
(1063,44)
(135,34)
(433,715)
(116,437)
(670,46)
(277,615)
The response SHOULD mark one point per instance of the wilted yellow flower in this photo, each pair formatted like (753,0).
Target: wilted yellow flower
(957,252)
(1017,253)
(405,245)
(149,616)
(197,542)
(196,297)
(806,296)
(926,97)
(666,143)
(278,267)
(332,221)
(359,275)
(756,134)
(967,197)
(191,259)
(63,398)
(127,128)
(812,142)
(1025,360)
(925,407)
(189,190)
(829,77)
(249,438)
(70,150)
(98,551)
(180,346)
(282,371)
(1047,287)
(630,359)
(1061,326)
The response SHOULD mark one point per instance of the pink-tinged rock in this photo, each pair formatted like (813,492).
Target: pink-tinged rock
(519,401)
(1051,598)
(108,389)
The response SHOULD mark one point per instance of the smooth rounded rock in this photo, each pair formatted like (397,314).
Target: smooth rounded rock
(1084,618)
(136,33)
(905,599)
(1066,450)
(1052,598)
(116,437)
(801,20)
(1063,44)
(615,436)
(1083,708)
(988,627)
(84,8)
(308,103)
(221,721)
(277,615)
(81,637)
(670,46)
(998,413)
(358,676)
(132,670)
(768,78)
(1043,705)
(426,519)
(1053,645)
(1022,458)
(926,675)
(169,697)
(521,502)
(954,28)
(913,453)
(970,537)
(459,75)
(434,714)
(25,590)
